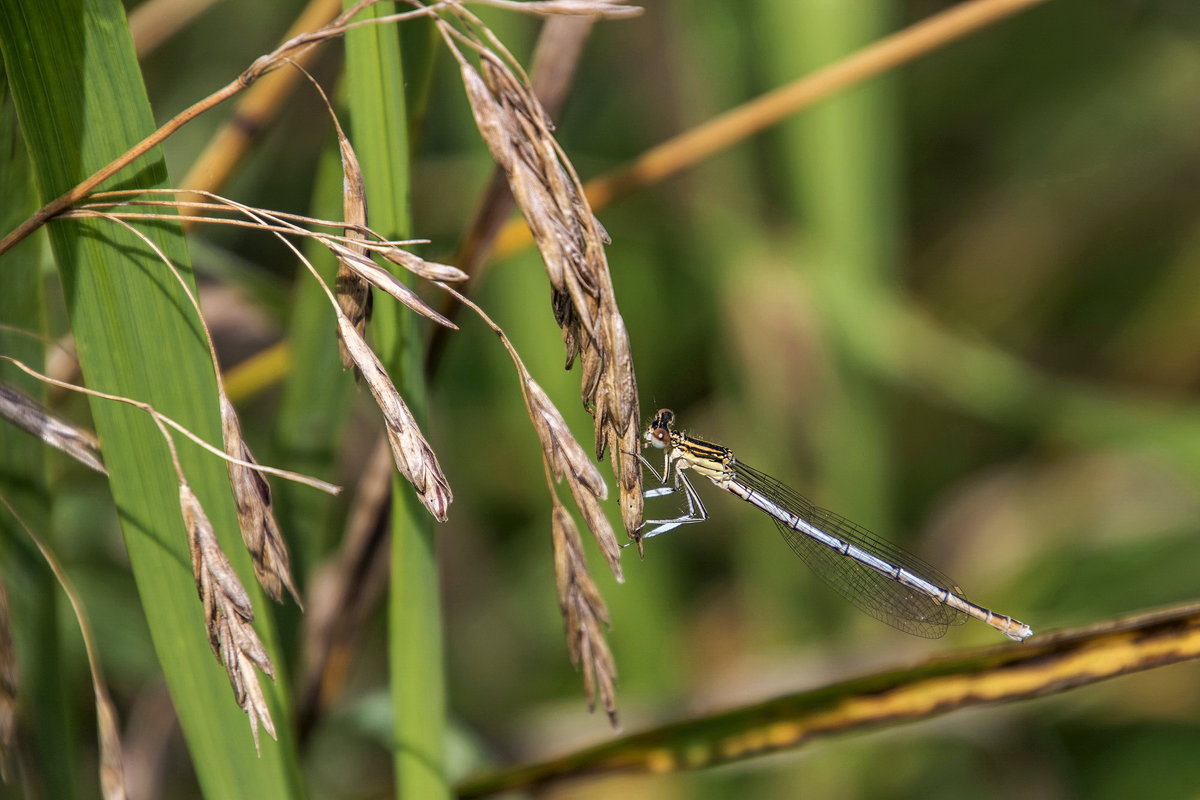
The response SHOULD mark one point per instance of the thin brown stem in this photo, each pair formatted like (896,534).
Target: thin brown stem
(293,48)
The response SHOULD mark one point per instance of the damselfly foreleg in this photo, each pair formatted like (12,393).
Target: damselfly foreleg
(696,512)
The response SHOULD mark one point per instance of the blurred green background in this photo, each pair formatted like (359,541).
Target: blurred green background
(958,305)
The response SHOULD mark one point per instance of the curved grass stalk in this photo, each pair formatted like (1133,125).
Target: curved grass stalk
(1053,663)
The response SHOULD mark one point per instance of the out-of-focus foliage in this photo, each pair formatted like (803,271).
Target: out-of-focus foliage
(957,306)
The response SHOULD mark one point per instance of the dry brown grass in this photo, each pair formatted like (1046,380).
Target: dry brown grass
(572,242)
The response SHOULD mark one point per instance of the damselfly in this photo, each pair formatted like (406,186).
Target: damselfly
(875,575)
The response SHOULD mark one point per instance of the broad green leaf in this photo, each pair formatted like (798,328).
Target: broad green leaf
(81,102)
(33,594)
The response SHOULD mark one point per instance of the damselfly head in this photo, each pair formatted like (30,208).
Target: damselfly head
(658,432)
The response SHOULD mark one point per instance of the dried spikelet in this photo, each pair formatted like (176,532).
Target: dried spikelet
(584,614)
(617,414)
(571,241)
(256,517)
(567,459)
(430,270)
(25,412)
(9,680)
(414,457)
(564,458)
(565,455)
(228,614)
(353,293)
(364,268)
(590,8)
(112,767)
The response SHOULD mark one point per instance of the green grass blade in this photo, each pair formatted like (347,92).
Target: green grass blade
(32,591)
(81,102)
(379,127)
(842,156)
(1069,659)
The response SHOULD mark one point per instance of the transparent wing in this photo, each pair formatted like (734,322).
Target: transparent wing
(884,599)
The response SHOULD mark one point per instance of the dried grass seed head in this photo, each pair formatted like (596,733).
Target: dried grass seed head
(256,515)
(353,293)
(363,267)
(23,411)
(572,245)
(414,457)
(430,270)
(228,614)
(584,614)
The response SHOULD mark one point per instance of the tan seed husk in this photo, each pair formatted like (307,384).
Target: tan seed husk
(568,460)
(414,457)
(363,267)
(112,766)
(584,614)
(227,614)
(429,270)
(571,242)
(591,8)
(25,412)
(256,516)
(353,293)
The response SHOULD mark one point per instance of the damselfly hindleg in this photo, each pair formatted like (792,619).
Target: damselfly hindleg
(696,512)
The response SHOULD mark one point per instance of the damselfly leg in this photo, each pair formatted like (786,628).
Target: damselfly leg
(696,512)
